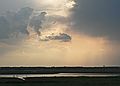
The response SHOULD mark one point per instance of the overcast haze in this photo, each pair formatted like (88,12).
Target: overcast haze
(59,32)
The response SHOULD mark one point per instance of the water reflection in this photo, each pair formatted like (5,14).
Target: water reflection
(61,75)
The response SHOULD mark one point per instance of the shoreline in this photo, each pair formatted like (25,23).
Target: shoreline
(56,70)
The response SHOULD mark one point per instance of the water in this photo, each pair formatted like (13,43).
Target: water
(61,75)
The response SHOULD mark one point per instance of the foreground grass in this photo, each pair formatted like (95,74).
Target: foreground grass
(64,81)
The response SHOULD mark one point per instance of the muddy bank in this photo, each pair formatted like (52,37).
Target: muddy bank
(55,70)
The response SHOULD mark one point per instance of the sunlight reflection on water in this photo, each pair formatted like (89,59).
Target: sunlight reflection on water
(61,75)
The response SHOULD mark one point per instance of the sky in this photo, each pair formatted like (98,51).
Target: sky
(59,32)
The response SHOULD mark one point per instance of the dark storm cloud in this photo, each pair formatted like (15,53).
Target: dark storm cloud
(14,22)
(13,5)
(97,18)
(4,28)
(21,19)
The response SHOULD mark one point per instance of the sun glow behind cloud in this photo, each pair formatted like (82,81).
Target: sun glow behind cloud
(35,49)
(55,7)
(55,20)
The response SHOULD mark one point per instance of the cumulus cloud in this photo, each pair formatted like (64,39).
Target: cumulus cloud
(63,37)
(98,18)
(14,23)
(36,22)
(45,25)
(4,28)
(30,22)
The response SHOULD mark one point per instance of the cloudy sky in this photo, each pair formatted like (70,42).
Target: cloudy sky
(59,32)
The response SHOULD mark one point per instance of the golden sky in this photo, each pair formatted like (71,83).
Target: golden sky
(82,50)
(49,49)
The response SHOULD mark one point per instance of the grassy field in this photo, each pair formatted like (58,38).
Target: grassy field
(64,81)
